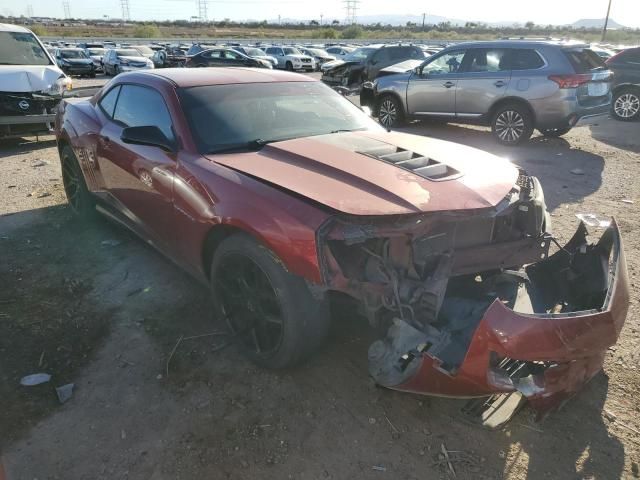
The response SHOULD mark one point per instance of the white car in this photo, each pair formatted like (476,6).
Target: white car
(290,58)
(31,83)
(339,52)
(121,60)
(96,54)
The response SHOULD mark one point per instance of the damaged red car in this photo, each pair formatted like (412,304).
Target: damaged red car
(281,194)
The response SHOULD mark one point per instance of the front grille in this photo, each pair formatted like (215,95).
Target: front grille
(524,182)
(306,60)
(14,103)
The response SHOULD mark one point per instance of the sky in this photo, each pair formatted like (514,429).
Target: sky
(626,12)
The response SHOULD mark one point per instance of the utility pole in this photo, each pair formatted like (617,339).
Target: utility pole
(126,16)
(321,15)
(606,22)
(424,15)
(67,9)
(351,9)
(202,10)
(29,10)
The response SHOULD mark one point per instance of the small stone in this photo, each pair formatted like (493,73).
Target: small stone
(123,434)
(244,464)
(635,469)
(577,171)
(43,194)
(372,421)
(502,454)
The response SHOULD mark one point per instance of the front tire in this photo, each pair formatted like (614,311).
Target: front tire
(277,320)
(554,132)
(289,66)
(390,113)
(626,104)
(512,124)
(80,200)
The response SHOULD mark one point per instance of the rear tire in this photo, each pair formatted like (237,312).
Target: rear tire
(512,124)
(626,104)
(279,323)
(390,112)
(80,199)
(554,132)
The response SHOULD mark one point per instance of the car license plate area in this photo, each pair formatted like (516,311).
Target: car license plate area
(597,89)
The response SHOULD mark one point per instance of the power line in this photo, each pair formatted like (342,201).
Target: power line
(126,15)
(351,9)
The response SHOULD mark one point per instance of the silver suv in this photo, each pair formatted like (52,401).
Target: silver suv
(512,85)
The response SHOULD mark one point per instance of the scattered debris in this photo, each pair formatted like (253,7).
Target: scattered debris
(593,220)
(379,468)
(531,428)
(40,163)
(110,243)
(635,470)
(175,347)
(35,379)
(448,459)
(577,171)
(626,200)
(123,434)
(41,359)
(609,415)
(64,392)
(372,421)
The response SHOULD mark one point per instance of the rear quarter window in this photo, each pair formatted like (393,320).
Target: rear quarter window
(584,60)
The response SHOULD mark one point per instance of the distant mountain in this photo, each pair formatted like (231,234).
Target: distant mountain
(401,20)
(596,23)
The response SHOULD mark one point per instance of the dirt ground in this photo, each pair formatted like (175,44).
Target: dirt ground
(92,305)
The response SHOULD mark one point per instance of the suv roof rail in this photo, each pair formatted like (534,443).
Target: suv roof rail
(528,38)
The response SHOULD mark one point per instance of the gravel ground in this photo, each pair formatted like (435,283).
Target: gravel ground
(92,305)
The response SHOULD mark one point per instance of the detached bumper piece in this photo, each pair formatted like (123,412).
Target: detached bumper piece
(537,334)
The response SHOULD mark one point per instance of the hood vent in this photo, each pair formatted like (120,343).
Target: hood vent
(424,166)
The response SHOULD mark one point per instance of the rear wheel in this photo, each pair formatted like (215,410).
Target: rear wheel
(276,319)
(555,132)
(512,124)
(390,113)
(75,188)
(626,104)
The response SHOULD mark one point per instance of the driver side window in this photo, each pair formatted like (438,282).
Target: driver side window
(445,64)
(142,106)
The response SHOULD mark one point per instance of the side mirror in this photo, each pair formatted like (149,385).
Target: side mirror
(147,135)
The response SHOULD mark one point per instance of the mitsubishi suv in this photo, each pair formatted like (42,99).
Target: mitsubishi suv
(513,86)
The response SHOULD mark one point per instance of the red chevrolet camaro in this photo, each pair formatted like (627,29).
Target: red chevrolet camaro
(278,193)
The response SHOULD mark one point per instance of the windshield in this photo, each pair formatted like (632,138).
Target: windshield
(96,51)
(128,53)
(318,52)
(254,52)
(360,54)
(73,54)
(144,50)
(221,116)
(21,48)
(291,51)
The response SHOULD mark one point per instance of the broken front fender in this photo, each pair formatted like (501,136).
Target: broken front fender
(545,355)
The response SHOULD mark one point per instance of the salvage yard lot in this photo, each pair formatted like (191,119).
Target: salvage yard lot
(92,305)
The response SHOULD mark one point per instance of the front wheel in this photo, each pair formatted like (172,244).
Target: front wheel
(626,104)
(80,199)
(554,132)
(512,124)
(272,313)
(390,113)
(289,66)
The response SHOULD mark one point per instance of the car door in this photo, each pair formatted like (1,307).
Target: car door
(233,59)
(139,178)
(484,80)
(432,90)
(278,54)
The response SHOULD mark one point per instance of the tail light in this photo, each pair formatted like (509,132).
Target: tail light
(571,81)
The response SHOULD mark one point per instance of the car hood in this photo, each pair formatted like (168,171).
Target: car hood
(339,65)
(28,78)
(135,59)
(344,172)
(402,67)
(299,56)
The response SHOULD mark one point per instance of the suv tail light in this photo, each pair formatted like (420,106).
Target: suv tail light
(571,81)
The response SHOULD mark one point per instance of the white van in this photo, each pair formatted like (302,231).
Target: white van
(31,84)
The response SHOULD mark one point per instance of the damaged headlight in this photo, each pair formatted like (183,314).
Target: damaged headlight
(59,86)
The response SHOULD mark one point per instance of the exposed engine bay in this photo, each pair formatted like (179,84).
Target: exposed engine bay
(438,274)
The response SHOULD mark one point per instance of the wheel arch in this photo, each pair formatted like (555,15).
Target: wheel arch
(213,238)
(622,86)
(511,99)
(391,93)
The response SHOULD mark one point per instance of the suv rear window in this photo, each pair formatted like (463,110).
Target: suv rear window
(584,60)
(525,59)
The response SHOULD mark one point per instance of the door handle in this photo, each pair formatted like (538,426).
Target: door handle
(448,84)
(500,83)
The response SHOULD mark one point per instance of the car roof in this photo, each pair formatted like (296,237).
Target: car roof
(196,77)
(517,43)
(7,27)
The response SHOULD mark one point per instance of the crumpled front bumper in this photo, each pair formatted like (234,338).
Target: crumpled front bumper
(562,350)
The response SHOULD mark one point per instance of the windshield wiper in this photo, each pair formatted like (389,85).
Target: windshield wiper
(256,144)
